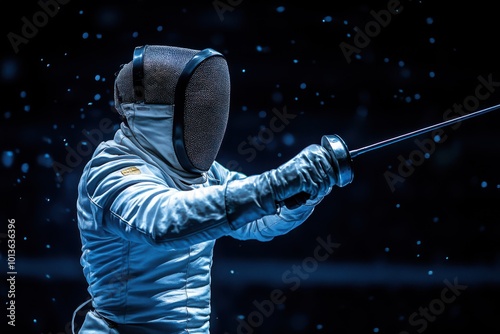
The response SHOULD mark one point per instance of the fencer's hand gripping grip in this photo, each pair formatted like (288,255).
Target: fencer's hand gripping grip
(341,162)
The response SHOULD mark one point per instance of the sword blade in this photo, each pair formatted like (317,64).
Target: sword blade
(390,141)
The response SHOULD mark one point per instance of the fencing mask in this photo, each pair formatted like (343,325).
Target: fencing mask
(196,83)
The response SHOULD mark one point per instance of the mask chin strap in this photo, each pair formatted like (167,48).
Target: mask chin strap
(179,103)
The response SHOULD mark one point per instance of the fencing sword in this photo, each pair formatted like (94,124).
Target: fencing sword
(342,157)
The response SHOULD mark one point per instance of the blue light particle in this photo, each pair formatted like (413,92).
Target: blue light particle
(288,139)
(7,158)
(277,97)
(280,9)
(9,69)
(327,19)
(45,160)
(85,35)
(484,184)
(429,20)
(25,167)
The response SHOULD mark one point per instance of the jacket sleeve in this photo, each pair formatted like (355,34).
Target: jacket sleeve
(131,199)
(270,226)
(128,198)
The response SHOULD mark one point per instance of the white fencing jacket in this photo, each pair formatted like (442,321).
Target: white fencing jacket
(148,228)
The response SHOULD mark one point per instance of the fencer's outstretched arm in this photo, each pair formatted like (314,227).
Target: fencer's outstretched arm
(142,207)
(309,172)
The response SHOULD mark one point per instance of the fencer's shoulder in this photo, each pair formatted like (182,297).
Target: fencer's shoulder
(109,150)
(117,163)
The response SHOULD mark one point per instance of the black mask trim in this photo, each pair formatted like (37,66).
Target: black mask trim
(138,74)
(179,102)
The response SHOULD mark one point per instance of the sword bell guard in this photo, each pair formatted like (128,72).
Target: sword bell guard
(341,158)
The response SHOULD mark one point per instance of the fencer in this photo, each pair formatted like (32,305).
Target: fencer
(153,200)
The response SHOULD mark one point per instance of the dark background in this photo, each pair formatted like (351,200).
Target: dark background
(397,247)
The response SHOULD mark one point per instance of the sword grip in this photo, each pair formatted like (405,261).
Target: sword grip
(341,161)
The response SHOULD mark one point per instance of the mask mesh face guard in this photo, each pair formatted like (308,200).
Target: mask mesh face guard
(197,84)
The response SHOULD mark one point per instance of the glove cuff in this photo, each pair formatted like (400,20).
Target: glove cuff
(249,199)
